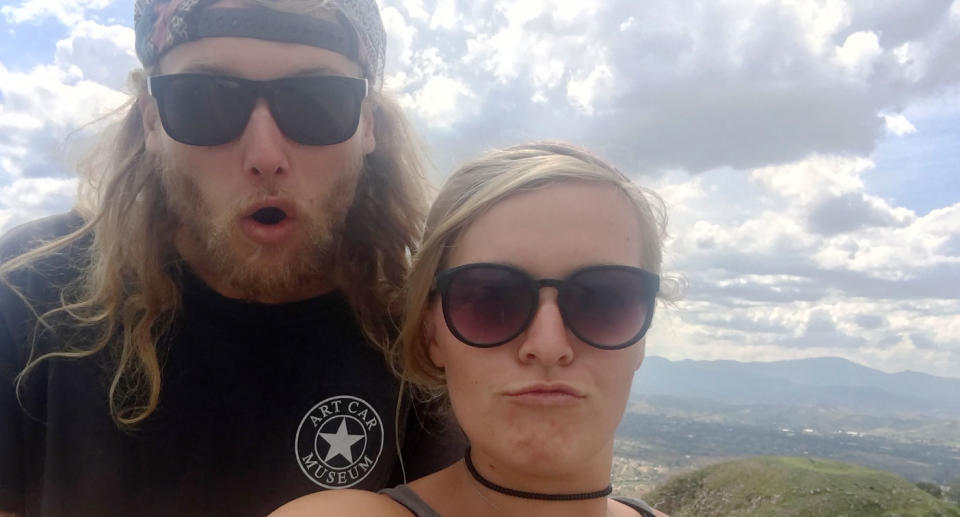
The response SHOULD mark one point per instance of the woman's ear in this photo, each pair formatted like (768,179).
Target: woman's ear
(430,337)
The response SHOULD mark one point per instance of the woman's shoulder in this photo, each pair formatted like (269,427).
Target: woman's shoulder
(342,502)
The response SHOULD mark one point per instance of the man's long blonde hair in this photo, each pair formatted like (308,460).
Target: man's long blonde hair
(128,293)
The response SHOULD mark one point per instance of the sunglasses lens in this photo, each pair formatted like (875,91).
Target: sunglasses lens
(202,110)
(487,306)
(318,110)
(199,109)
(607,307)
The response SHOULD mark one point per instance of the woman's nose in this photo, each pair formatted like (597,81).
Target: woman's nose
(546,340)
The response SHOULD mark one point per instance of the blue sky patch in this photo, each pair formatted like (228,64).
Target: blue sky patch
(26,45)
(117,13)
(919,171)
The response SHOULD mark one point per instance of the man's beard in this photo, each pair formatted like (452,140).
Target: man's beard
(256,271)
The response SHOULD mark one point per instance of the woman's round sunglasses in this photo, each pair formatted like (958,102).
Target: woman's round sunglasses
(608,307)
(204,109)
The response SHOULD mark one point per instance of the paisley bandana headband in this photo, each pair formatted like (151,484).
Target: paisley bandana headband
(163,24)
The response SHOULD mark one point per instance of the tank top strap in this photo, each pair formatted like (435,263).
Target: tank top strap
(638,505)
(409,499)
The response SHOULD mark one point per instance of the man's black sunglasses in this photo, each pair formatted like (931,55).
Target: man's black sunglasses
(203,109)
(608,307)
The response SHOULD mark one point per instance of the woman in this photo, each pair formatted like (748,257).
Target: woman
(527,306)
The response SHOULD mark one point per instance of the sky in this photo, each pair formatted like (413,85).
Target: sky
(807,150)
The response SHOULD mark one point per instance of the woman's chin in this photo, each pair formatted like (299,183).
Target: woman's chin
(545,455)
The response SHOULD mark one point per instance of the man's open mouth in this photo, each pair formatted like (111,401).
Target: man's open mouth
(269,215)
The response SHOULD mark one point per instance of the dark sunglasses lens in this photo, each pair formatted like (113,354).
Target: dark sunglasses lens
(318,110)
(606,307)
(488,306)
(203,110)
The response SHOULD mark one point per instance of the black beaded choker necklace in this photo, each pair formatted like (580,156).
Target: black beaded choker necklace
(530,495)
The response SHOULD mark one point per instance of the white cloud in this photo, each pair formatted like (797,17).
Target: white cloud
(44,109)
(441,102)
(803,329)
(41,116)
(445,15)
(102,53)
(858,53)
(814,178)
(561,10)
(819,20)
(870,283)
(777,80)
(582,90)
(495,52)
(400,37)
(23,199)
(548,74)
(898,125)
(70,12)
(913,58)
(499,50)
(414,9)
(901,253)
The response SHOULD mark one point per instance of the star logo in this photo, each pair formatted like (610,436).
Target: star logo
(339,441)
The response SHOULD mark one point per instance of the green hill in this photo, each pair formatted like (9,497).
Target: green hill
(785,487)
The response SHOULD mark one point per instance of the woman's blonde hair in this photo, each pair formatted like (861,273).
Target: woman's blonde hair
(474,189)
(128,292)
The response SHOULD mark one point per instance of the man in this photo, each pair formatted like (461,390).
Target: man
(199,336)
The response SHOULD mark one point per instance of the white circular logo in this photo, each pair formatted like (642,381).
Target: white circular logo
(339,441)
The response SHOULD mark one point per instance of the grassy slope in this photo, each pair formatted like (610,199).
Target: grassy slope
(784,487)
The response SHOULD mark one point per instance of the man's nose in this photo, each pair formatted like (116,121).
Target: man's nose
(264,144)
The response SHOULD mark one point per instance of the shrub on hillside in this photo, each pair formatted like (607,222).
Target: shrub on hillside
(953,491)
(931,489)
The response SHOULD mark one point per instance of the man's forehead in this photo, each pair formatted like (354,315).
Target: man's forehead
(222,69)
(255,59)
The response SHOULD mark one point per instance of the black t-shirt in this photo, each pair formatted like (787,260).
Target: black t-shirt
(260,404)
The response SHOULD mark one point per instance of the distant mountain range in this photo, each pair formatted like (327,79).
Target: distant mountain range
(824,382)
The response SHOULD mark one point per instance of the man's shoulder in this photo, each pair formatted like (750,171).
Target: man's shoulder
(41,279)
(33,234)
